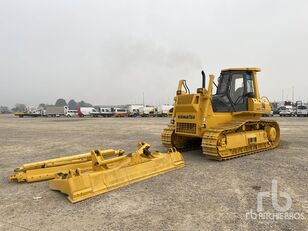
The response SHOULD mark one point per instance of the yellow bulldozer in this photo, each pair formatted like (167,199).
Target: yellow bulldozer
(226,124)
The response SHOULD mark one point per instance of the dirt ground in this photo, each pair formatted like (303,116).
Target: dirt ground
(204,195)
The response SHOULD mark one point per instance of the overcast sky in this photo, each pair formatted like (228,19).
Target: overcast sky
(109,52)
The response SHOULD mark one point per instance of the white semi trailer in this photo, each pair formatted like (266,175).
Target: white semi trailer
(56,111)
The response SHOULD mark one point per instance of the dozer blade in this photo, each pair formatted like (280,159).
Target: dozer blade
(48,169)
(112,173)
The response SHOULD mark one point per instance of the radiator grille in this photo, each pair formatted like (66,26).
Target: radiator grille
(185,99)
(186,128)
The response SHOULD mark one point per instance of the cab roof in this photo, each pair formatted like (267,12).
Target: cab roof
(256,69)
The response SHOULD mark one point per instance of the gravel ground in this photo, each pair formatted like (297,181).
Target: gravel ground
(204,195)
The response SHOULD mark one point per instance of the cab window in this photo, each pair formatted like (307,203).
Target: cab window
(223,84)
(237,88)
(250,87)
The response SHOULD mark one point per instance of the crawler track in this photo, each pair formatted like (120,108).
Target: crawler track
(210,140)
(181,143)
(211,137)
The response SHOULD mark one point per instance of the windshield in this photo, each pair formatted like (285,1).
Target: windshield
(223,84)
(302,107)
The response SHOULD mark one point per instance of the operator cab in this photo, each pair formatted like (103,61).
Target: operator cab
(235,87)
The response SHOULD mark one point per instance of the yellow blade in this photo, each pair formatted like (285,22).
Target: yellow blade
(48,169)
(109,174)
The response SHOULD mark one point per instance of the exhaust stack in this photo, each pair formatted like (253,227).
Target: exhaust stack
(203,79)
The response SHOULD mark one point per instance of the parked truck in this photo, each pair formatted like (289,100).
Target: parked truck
(54,111)
(301,110)
(30,113)
(105,112)
(87,111)
(163,110)
(134,110)
(120,112)
(147,111)
(286,111)
(71,113)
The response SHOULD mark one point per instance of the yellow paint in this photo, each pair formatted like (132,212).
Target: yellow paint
(108,174)
(48,169)
(194,118)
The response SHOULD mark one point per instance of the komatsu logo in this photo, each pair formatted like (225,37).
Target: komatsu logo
(191,117)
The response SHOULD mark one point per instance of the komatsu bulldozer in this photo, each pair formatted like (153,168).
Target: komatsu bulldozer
(226,124)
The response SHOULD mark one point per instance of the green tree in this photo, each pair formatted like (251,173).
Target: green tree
(61,103)
(4,109)
(19,107)
(72,104)
(83,104)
